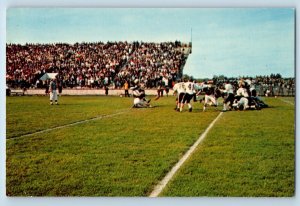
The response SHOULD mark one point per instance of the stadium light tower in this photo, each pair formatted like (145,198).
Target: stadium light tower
(191,40)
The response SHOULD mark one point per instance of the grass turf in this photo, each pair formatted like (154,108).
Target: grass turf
(30,114)
(127,155)
(249,153)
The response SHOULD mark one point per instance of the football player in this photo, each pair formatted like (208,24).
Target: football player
(179,89)
(228,100)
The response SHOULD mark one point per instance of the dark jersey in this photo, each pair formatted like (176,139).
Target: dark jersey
(53,86)
(208,90)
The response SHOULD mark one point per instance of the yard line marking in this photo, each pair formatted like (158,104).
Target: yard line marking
(162,184)
(291,103)
(67,125)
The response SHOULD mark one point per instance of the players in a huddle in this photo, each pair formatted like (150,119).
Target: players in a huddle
(241,97)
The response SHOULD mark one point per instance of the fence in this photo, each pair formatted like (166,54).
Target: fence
(261,91)
(275,90)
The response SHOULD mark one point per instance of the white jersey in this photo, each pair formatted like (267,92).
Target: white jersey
(243,102)
(137,101)
(179,87)
(250,84)
(166,81)
(189,87)
(136,93)
(242,92)
(228,88)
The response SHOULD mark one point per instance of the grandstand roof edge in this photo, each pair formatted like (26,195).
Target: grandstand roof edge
(83,42)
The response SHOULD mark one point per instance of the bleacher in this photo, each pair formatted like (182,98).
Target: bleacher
(94,65)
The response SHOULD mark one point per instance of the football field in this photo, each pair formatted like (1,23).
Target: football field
(100,146)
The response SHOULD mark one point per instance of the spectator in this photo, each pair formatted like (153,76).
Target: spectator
(126,87)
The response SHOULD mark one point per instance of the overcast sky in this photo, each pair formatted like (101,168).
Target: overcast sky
(230,42)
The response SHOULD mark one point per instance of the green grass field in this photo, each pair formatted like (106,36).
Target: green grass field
(126,152)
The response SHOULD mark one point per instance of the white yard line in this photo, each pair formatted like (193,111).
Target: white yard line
(288,102)
(68,125)
(161,185)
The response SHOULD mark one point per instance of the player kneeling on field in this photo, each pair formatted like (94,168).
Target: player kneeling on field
(140,103)
(139,96)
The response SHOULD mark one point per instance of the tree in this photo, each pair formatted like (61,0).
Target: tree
(278,76)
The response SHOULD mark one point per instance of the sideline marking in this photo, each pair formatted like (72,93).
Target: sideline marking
(161,185)
(67,125)
(291,103)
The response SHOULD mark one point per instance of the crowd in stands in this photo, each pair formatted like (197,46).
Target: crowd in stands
(151,62)
(94,65)
(274,84)
(111,64)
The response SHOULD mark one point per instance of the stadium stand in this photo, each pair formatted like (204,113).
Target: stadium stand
(95,65)
(102,65)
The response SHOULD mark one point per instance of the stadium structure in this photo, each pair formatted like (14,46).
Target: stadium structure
(91,146)
(95,65)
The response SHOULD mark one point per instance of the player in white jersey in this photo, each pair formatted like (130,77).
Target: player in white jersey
(139,96)
(189,93)
(228,101)
(243,96)
(180,90)
(248,82)
(251,87)
(242,92)
(140,103)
